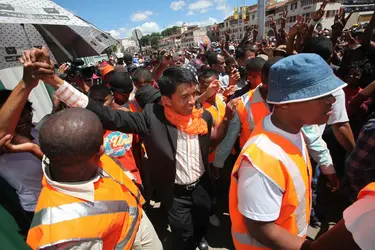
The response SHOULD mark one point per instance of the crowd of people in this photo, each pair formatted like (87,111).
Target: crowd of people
(296,112)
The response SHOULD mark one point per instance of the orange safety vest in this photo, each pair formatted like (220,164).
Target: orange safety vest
(112,220)
(283,163)
(369,189)
(218,114)
(251,109)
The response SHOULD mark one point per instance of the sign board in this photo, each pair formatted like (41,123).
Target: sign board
(137,34)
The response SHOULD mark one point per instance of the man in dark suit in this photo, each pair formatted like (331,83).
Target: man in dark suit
(178,137)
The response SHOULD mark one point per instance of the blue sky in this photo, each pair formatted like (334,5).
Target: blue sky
(120,17)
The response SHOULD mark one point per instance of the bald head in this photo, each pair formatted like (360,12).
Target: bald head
(74,134)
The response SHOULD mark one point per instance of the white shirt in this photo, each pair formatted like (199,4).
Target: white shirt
(23,172)
(189,163)
(339,113)
(82,190)
(360,221)
(259,198)
(224,81)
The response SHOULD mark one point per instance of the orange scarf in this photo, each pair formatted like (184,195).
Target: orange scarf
(192,124)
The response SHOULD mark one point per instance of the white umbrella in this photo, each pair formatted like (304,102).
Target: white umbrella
(34,23)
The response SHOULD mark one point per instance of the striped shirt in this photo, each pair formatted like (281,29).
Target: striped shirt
(189,163)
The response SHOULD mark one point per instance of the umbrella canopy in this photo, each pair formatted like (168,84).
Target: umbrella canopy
(34,23)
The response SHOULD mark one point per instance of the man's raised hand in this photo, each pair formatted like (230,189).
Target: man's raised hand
(36,65)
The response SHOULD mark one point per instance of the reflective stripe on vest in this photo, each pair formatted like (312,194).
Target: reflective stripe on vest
(275,151)
(283,164)
(52,215)
(72,245)
(134,212)
(252,109)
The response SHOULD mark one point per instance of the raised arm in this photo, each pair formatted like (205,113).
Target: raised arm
(11,111)
(366,38)
(126,122)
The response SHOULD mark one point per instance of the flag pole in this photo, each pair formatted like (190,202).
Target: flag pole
(261,18)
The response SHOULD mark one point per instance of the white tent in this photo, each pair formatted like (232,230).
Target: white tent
(35,23)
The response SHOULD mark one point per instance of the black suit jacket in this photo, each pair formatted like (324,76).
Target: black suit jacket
(160,138)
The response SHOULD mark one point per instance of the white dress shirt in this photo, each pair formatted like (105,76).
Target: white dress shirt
(189,163)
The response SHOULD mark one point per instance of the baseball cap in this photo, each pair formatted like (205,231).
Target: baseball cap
(106,69)
(300,78)
(121,82)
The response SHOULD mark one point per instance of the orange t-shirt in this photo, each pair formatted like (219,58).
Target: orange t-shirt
(118,145)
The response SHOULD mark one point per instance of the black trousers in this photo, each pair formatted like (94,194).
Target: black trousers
(189,214)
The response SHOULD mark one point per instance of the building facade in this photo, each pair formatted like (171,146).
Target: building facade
(237,28)
(192,36)
(128,45)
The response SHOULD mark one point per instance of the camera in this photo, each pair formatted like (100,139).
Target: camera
(77,69)
(242,70)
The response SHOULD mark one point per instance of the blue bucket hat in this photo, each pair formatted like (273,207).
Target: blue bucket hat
(300,78)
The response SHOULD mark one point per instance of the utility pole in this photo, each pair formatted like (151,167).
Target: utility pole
(261,18)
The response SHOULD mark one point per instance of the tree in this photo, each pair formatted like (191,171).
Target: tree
(111,49)
(145,40)
(152,39)
(169,31)
(155,42)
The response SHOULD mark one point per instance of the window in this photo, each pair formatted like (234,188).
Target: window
(293,6)
(306,2)
(253,16)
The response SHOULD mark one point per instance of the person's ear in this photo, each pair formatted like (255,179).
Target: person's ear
(166,101)
(94,160)
(101,151)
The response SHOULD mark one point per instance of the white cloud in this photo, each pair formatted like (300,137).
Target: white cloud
(201,23)
(209,21)
(223,6)
(178,23)
(145,28)
(148,28)
(141,15)
(200,5)
(178,5)
(115,34)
